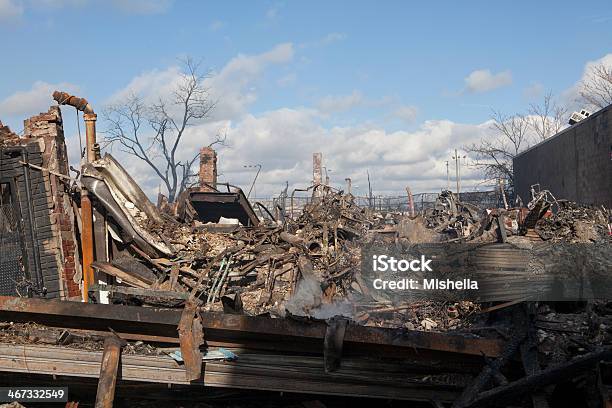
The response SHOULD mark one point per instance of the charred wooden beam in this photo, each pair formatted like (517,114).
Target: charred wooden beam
(332,345)
(529,355)
(252,370)
(191,338)
(471,392)
(108,372)
(545,377)
(225,327)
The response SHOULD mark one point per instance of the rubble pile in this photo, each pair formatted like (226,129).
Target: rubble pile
(574,223)
(452,217)
(259,267)
(7,137)
(563,334)
(310,265)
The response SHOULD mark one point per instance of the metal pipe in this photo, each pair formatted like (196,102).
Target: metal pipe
(91,146)
(92,153)
(64,98)
(87,244)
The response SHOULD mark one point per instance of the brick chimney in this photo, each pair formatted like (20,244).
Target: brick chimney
(317,170)
(208,168)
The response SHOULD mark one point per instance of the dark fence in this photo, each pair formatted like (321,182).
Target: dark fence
(422,201)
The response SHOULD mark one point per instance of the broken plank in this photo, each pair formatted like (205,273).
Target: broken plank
(126,277)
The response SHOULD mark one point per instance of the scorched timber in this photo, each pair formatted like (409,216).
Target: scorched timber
(238,329)
(261,372)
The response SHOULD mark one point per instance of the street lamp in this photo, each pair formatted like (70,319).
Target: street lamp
(251,166)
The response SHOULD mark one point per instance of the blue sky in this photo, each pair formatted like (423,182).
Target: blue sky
(420,78)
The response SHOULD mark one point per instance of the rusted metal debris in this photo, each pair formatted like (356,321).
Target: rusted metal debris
(453,217)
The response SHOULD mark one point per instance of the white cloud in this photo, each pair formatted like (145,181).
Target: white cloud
(10,10)
(283,139)
(406,113)
(34,100)
(483,80)
(234,86)
(143,6)
(571,96)
(216,25)
(283,142)
(340,103)
(149,85)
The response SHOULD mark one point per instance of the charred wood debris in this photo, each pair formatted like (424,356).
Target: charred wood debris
(258,270)
(308,267)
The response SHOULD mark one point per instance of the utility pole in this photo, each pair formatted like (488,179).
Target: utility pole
(369,189)
(447,177)
(457,171)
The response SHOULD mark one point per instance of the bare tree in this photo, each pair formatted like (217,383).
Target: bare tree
(153,132)
(548,118)
(596,90)
(493,155)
